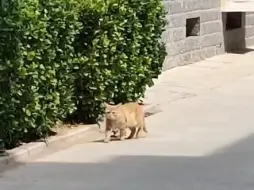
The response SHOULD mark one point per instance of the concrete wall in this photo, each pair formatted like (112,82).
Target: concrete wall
(183,50)
(213,38)
(249,29)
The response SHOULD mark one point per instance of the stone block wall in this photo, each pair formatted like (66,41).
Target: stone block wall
(213,39)
(249,29)
(183,50)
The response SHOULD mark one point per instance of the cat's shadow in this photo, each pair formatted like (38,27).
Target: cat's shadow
(113,138)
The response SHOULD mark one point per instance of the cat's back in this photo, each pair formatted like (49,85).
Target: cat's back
(133,107)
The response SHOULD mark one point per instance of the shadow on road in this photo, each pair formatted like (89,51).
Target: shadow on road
(231,168)
(242,51)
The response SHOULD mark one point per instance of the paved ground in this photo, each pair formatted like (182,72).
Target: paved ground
(202,140)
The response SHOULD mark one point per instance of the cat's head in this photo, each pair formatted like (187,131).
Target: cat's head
(112,111)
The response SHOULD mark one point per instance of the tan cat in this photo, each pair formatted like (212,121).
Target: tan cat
(122,116)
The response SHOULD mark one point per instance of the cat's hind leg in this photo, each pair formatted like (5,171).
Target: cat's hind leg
(138,132)
(133,131)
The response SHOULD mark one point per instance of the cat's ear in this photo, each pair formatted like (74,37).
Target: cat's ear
(111,106)
(119,104)
(107,105)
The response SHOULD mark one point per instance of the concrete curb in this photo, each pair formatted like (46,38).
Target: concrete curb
(24,152)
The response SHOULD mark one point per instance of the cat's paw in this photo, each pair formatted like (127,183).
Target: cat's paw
(106,141)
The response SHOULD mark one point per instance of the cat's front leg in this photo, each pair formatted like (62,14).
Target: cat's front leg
(108,133)
(122,134)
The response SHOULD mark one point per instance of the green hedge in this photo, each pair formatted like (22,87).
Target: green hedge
(119,50)
(36,56)
(58,56)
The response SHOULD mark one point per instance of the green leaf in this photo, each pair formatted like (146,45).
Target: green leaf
(28,113)
(43,78)
(30,55)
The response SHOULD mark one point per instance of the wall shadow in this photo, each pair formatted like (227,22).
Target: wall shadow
(235,37)
(231,168)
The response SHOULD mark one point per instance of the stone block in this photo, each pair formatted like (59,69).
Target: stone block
(192,43)
(210,4)
(174,7)
(174,35)
(249,20)
(210,15)
(170,62)
(249,31)
(215,39)
(175,48)
(178,60)
(211,27)
(192,14)
(220,49)
(203,53)
(174,21)
(185,59)
(192,5)
(250,13)
(249,41)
